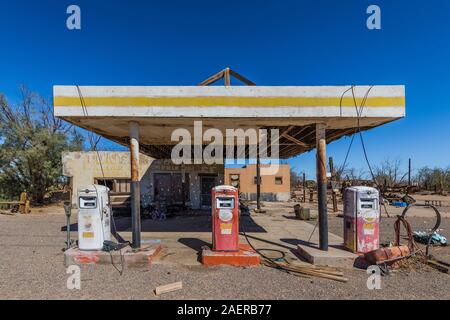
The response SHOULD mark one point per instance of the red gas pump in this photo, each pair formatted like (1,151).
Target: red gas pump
(225,219)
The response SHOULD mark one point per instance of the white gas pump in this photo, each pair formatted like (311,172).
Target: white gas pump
(94,217)
(361,219)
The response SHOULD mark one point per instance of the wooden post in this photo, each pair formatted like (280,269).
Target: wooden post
(22,203)
(135,186)
(226,77)
(335,206)
(258,182)
(321,165)
(304,187)
(27,207)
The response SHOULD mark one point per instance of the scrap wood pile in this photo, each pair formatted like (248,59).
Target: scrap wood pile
(307,271)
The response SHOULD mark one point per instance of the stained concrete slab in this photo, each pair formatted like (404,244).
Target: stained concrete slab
(144,257)
(183,239)
(336,256)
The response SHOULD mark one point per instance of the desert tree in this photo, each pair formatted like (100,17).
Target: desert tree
(433,179)
(32,140)
(389,173)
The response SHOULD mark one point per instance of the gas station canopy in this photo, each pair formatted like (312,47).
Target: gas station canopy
(294,110)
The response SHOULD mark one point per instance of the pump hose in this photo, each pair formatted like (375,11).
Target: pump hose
(283,254)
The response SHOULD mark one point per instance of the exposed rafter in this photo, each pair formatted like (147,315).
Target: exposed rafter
(226,74)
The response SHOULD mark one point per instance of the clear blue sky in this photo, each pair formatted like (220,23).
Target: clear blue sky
(271,42)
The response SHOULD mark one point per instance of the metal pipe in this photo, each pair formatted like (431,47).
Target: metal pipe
(258,182)
(321,158)
(68,212)
(135,186)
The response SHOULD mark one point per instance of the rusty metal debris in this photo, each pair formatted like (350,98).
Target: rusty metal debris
(392,256)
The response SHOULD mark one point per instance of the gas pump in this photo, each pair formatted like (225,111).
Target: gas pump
(225,219)
(361,219)
(94,217)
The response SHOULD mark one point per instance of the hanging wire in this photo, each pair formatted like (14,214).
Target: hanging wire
(94,147)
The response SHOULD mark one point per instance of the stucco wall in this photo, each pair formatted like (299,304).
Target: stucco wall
(269,190)
(84,167)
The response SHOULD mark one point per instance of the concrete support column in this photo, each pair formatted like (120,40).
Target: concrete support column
(135,186)
(321,168)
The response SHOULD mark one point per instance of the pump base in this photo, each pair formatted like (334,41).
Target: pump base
(130,258)
(245,257)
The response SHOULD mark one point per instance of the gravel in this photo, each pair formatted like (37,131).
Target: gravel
(31,267)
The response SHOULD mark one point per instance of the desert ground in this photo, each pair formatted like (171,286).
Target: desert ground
(32,261)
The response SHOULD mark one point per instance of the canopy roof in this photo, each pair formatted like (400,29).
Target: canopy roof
(108,111)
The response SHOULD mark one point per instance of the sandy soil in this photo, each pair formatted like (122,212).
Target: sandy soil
(31,267)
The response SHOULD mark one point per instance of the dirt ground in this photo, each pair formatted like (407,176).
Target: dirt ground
(31,267)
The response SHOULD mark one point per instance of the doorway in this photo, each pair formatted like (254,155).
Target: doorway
(207,182)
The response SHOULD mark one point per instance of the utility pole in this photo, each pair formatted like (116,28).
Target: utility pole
(258,183)
(334,196)
(304,187)
(409,172)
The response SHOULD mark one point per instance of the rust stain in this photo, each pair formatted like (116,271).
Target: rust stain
(84,259)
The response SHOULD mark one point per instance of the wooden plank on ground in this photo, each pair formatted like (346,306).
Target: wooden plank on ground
(168,288)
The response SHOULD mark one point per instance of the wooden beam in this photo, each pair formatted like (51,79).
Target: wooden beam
(242,78)
(339,133)
(212,79)
(294,140)
(285,130)
(226,77)
(168,288)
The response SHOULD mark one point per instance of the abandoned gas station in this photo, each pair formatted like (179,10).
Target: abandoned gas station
(307,117)
(186,186)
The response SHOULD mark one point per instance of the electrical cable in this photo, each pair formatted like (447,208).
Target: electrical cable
(357,131)
(359,112)
(94,147)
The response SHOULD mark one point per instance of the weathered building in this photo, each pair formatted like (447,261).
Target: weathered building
(144,118)
(160,180)
(275,187)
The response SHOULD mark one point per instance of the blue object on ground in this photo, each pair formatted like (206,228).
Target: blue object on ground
(423,237)
(399,204)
